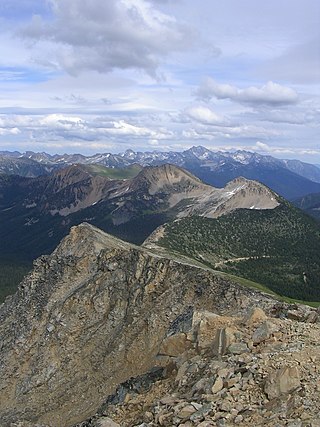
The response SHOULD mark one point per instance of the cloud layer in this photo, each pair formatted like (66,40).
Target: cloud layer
(269,94)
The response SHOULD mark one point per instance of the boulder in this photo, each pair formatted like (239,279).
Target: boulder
(105,422)
(282,381)
(223,338)
(238,348)
(312,317)
(174,345)
(217,386)
(186,411)
(255,315)
(263,332)
(296,315)
(205,325)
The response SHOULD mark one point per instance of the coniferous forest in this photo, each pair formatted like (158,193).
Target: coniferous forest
(278,248)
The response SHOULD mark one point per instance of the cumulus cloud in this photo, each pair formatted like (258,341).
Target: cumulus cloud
(103,35)
(122,128)
(269,94)
(71,127)
(9,131)
(206,116)
(261,146)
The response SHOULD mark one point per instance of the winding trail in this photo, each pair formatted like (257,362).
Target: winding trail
(218,264)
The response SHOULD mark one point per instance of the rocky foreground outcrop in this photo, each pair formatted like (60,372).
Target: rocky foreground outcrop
(104,327)
(244,371)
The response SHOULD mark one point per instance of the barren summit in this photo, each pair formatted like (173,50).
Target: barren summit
(175,188)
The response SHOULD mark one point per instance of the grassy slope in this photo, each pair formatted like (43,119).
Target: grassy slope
(281,245)
(114,173)
(250,284)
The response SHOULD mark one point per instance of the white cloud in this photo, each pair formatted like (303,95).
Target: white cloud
(278,150)
(261,146)
(59,121)
(9,131)
(123,129)
(67,127)
(206,116)
(270,94)
(103,35)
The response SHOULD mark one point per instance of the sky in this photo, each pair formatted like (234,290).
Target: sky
(92,76)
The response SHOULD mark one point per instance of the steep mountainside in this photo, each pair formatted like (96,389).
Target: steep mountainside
(281,180)
(99,312)
(279,248)
(23,166)
(304,169)
(310,204)
(36,213)
(289,178)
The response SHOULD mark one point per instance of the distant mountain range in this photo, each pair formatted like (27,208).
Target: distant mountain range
(289,178)
(23,166)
